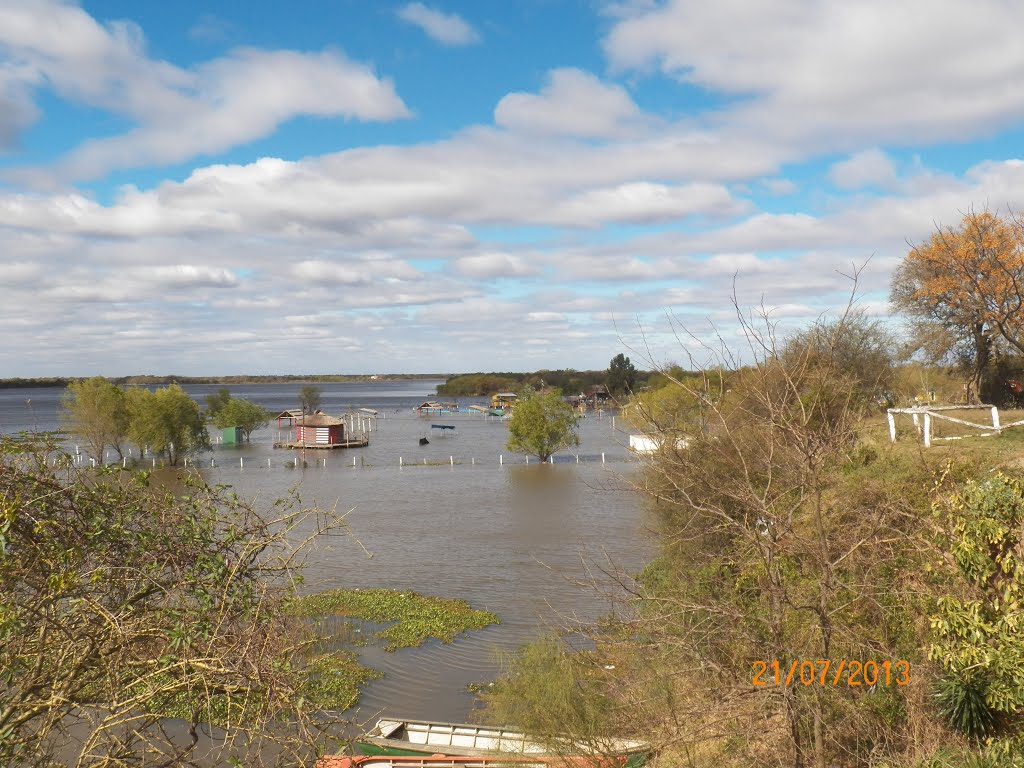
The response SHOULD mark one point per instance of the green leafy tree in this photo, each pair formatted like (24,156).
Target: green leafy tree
(122,603)
(95,409)
(244,414)
(621,376)
(541,424)
(309,398)
(217,401)
(977,637)
(167,420)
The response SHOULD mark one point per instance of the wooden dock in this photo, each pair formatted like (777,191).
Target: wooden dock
(355,443)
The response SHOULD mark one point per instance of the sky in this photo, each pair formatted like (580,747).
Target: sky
(342,186)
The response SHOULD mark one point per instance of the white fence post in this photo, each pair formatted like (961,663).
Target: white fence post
(995,419)
(927,430)
(892,425)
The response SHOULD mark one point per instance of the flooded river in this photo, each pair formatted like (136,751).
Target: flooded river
(508,537)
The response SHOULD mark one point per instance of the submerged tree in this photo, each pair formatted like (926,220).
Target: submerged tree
(216,401)
(167,420)
(95,410)
(122,604)
(309,398)
(541,424)
(621,376)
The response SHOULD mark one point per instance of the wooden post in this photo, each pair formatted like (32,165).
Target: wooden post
(892,426)
(995,419)
(927,430)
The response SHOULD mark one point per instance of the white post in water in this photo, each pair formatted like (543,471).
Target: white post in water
(399,461)
(927,430)
(211,461)
(451,460)
(353,461)
(268,463)
(577,458)
(241,462)
(551,459)
(527,458)
(124,462)
(602,457)
(154,462)
(892,426)
(995,419)
(501,459)
(473,461)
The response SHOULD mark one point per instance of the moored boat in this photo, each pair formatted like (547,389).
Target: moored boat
(433,761)
(424,737)
(465,761)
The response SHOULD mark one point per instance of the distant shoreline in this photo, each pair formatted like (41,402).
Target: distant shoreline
(147,379)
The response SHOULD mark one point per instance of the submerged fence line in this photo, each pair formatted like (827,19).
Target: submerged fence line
(254,463)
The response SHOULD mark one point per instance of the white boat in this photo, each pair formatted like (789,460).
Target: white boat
(424,737)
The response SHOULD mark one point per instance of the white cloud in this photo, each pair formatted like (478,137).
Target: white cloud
(178,113)
(838,74)
(493,265)
(644,202)
(872,167)
(572,103)
(445,28)
(353,273)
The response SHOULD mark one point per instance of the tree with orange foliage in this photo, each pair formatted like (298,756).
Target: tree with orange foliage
(963,290)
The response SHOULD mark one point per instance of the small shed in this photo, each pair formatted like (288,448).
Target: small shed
(319,429)
(231,435)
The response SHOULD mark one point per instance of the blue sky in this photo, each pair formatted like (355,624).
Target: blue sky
(353,187)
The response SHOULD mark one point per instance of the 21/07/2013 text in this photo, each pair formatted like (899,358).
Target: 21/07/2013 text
(826,672)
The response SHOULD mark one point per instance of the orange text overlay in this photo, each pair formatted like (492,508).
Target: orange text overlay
(828,672)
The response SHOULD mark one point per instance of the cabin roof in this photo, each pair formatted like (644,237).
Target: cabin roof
(319,420)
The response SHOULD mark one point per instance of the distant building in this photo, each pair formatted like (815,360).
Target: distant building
(504,401)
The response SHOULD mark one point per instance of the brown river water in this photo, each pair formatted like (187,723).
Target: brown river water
(508,537)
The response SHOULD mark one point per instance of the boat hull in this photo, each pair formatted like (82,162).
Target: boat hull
(424,739)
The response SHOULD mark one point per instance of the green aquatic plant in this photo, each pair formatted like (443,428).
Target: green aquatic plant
(413,618)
